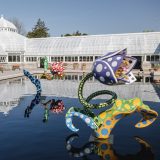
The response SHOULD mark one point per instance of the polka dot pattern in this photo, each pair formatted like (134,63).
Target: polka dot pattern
(99,68)
(34,80)
(108,122)
(116,113)
(104,147)
(109,59)
(144,122)
(82,151)
(108,73)
(118,58)
(114,64)
(89,121)
(104,131)
(102,79)
(103,74)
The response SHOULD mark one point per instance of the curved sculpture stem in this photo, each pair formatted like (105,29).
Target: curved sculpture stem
(85,103)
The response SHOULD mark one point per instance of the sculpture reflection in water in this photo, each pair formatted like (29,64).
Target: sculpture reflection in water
(105,150)
(52,105)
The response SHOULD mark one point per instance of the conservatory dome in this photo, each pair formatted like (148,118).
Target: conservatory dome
(6,25)
(10,40)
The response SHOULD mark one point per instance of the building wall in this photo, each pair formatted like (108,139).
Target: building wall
(78,53)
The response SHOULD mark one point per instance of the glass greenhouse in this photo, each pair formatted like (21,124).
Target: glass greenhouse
(75,50)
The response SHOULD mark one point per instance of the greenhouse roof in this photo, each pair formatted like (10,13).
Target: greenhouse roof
(136,44)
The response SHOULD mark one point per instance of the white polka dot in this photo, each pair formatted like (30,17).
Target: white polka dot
(105,67)
(99,68)
(108,74)
(109,59)
(81,116)
(76,114)
(102,79)
(87,120)
(81,154)
(68,147)
(114,63)
(87,150)
(118,58)
(68,120)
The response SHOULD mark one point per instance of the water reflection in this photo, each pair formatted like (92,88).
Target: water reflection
(144,78)
(34,102)
(52,105)
(7,106)
(10,97)
(105,149)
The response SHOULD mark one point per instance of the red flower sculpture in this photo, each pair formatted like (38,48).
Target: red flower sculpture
(57,69)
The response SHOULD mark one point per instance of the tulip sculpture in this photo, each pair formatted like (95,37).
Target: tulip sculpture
(113,68)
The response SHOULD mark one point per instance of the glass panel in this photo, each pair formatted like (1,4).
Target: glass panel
(91,58)
(69,59)
(157,58)
(76,59)
(18,58)
(35,59)
(152,58)
(148,58)
(84,59)
(14,58)
(72,59)
(9,58)
(80,59)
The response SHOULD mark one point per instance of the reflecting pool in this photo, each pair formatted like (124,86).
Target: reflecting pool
(29,137)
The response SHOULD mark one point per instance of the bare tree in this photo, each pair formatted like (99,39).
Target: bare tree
(19,25)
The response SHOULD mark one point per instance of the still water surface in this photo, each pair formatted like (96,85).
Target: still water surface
(30,138)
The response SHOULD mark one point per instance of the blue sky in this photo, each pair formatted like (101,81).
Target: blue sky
(87,16)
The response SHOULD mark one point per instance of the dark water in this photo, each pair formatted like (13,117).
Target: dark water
(31,139)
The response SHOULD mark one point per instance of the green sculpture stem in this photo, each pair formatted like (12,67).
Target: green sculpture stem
(85,102)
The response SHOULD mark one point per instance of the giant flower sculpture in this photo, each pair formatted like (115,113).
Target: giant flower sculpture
(112,68)
(57,69)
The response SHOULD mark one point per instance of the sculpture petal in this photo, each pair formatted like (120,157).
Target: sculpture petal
(149,116)
(88,120)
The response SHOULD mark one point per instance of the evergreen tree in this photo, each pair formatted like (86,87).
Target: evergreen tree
(77,33)
(40,30)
